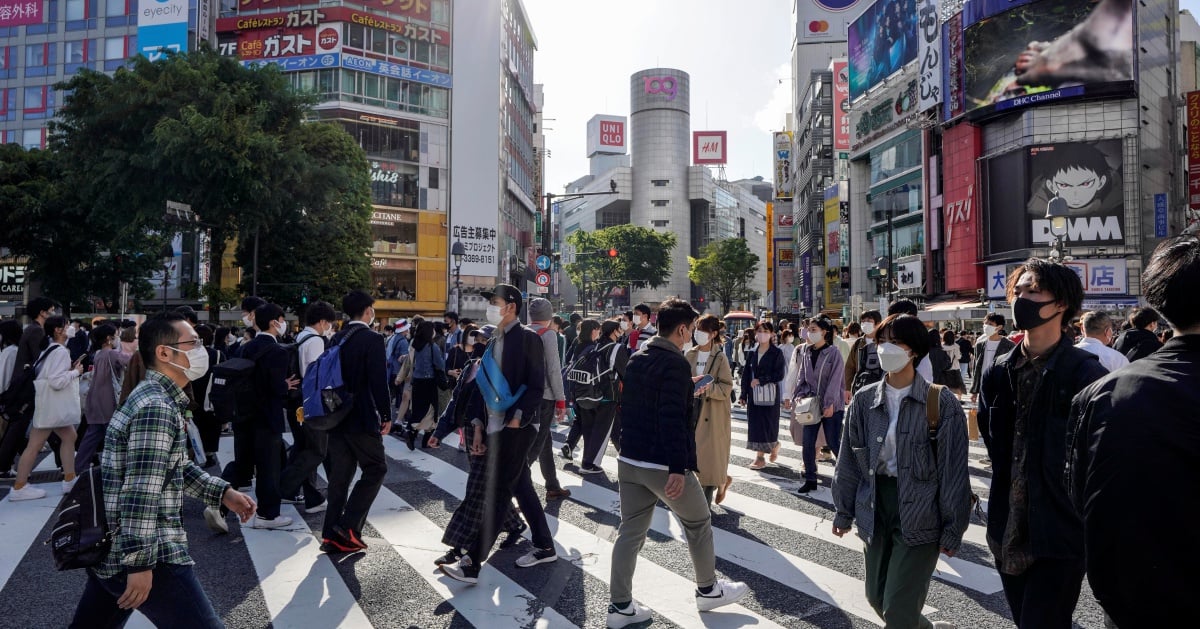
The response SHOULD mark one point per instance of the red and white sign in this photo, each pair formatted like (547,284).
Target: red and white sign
(841,105)
(1193,126)
(20,12)
(786,220)
(275,43)
(415,9)
(962,145)
(606,135)
(708,147)
(329,38)
(542,279)
(317,17)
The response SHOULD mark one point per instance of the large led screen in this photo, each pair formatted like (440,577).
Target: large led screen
(881,41)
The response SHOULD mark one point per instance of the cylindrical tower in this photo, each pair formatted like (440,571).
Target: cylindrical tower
(660,143)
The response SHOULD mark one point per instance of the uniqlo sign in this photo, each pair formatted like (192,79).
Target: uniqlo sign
(606,135)
(1193,126)
(612,133)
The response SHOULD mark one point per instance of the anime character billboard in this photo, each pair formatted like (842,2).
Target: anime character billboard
(1087,175)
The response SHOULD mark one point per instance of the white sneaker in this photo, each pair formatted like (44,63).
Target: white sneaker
(725,592)
(215,521)
(631,615)
(317,508)
(537,556)
(279,522)
(68,485)
(28,492)
(941,624)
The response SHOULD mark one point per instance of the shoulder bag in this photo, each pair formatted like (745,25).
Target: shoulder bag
(807,410)
(764,394)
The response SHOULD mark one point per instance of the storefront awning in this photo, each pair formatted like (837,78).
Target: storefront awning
(953,310)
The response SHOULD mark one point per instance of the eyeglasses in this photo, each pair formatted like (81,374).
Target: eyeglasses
(192,341)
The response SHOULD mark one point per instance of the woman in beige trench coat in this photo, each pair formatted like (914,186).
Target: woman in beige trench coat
(711,412)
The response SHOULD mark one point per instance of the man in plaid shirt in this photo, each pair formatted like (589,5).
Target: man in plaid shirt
(146,470)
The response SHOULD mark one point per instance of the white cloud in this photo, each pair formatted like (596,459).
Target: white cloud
(772,115)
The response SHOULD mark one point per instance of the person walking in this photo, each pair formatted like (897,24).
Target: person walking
(29,347)
(1146,413)
(905,445)
(612,358)
(819,374)
(1033,530)
(658,462)
(965,354)
(145,472)
(989,349)
(1097,335)
(108,368)
(356,444)
(642,331)
(1139,341)
(762,376)
(428,367)
(589,335)
(553,408)
(711,412)
(862,365)
(311,447)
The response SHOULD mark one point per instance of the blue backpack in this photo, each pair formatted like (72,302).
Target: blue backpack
(326,399)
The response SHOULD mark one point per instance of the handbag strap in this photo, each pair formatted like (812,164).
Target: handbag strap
(805,364)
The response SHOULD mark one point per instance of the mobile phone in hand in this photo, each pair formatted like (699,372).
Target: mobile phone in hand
(703,382)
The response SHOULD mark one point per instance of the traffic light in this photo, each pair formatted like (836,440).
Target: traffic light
(304,296)
(612,253)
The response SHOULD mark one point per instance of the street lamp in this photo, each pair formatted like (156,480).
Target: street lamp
(884,265)
(456,251)
(1057,212)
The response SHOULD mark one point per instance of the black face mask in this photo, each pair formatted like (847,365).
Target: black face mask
(1027,313)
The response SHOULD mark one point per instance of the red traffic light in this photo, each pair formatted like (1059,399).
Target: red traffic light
(612,253)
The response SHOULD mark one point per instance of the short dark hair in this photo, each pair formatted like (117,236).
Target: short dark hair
(451,315)
(157,330)
(644,309)
(252,303)
(1055,278)
(53,323)
(903,306)
(1096,322)
(854,328)
(38,305)
(948,337)
(189,314)
(1170,280)
(609,327)
(319,311)
(995,319)
(102,333)
(205,332)
(873,315)
(909,330)
(265,314)
(10,332)
(576,317)
(356,302)
(1141,318)
(557,320)
(673,313)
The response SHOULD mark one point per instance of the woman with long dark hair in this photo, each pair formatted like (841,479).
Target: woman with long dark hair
(427,362)
(762,378)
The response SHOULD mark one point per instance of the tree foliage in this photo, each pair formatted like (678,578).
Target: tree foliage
(725,270)
(643,258)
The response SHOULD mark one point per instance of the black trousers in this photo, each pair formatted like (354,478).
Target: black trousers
(576,431)
(508,476)
(1045,595)
(210,430)
(13,444)
(543,445)
(310,449)
(257,453)
(347,451)
(597,423)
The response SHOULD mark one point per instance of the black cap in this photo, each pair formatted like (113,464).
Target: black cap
(507,292)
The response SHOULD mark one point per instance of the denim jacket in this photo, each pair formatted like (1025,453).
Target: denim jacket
(427,360)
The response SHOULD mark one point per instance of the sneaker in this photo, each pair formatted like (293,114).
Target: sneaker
(215,521)
(298,499)
(724,592)
(590,469)
(513,538)
(28,492)
(318,508)
(350,537)
(259,522)
(334,547)
(537,556)
(464,570)
(567,452)
(631,615)
(556,494)
(8,475)
(451,556)
(68,485)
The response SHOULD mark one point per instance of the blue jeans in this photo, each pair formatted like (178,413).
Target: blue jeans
(176,600)
(833,438)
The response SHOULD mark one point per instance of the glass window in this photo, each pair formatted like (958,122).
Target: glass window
(370,85)
(327,81)
(356,36)
(114,8)
(440,12)
(379,41)
(35,55)
(898,157)
(422,52)
(35,99)
(75,51)
(77,9)
(433,178)
(114,49)
(441,56)
(900,200)
(31,138)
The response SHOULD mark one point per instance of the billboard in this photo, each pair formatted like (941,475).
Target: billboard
(708,147)
(20,12)
(881,41)
(289,42)
(953,104)
(961,147)
(316,17)
(1087,175)
(783,165)
(1102,276)
(606,135)
(1045,51)
(841,105)
(162,26)
(12,279)
(1193,149)
(835,297)
(888,109)
(929,52)
(785,275)
(413,9)
(824,20)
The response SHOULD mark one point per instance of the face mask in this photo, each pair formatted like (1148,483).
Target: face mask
(328,332)
(637,320)
(702,338)
(989,330)
(71,331)
(197,361)
(1027,313)
(763,338)
(892,357)
(493,315)
(247,321)
(624,325)
(815,337)
(868,327)
(280,327)
(230,339)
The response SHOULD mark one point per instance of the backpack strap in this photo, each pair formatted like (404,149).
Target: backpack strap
(933,411)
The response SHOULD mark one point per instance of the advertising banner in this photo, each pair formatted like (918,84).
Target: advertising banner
(709,147)
(20,12)
(783,165)
(841,105)
(317,17)
(1046,51)
(295,64)
(834,295)
(289,42)
(12,279)
(606,135)
(415,9)
(929,52)
(952,80)
(824,20)
(162,25)
(396,71)
(881,41)
(806,280)
(1104,276)
(961,147)
(910,274)
(887,110)
(1193,149)
(785,275)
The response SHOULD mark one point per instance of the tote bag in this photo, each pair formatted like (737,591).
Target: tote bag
(55,409)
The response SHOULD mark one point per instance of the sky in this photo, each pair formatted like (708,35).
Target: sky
(737,53)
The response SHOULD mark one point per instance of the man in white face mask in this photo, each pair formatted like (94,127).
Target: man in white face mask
(249,305)
(310,446)
(862,362)
(641,331)
(990,347)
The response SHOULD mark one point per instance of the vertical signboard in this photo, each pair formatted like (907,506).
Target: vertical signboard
(20,12)
(783,165)
(1193,127)
(708,147)
(929,53)
(834,297)
(771,254)
(961,146)
(953,104)
(841,105)
(806,279)
(785,276)
(162,26)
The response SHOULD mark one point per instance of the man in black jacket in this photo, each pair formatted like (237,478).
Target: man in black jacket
(991,347)
(658,462)
(1139,341)
(1033,530)
(357,442)
(1140,569)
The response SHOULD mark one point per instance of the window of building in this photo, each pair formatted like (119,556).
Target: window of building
(660,182)
(31,138)
(900,200)
(422,52)
(440,12)
(659,202)
(35,55)
(434,178)
(116,8)
(77,9)
(356,36)
(8,105)
(660,223)
(114,49)
(35,100)
(896,157)
(441,57)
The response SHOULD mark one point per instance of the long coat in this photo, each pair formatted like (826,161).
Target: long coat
(713,430)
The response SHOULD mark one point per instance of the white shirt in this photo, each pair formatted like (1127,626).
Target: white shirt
(989,353)
(702,362)
(309,351)
(887,454)
(7,357)
(1110,358)
(926,369)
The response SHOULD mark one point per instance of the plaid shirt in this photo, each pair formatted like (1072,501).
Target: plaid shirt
(146,470)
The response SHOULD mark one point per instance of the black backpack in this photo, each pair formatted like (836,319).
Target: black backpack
(16,403)
(592,377)
(869,370)
(81,537)
(233,393)
(296,396)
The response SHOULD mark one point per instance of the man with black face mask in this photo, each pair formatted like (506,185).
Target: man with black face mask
(1033,530)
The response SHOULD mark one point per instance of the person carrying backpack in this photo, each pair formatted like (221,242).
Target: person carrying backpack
(589,334)
(311,447)
(595,378)
(862,365)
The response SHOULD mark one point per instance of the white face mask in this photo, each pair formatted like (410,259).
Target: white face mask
(815,337)
(248,321)
(197,361)
(229,340)
(328,333)
(763,338)
(989,330)
(71,331)
(280,327)
(493,315)
(637,320)
(624,325)
(702,338)
(868,327)
(892,357)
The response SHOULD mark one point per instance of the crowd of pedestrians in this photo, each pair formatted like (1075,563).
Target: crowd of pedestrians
(1063,403)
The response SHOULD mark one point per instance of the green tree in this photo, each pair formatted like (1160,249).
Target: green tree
(643,259)
(725,270)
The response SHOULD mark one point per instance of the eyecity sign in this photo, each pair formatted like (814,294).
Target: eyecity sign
(661,85)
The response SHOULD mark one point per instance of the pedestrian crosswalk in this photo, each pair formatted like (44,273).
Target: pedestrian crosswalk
(780,543)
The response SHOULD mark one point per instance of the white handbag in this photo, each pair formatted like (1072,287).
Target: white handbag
(806,410)
(55,409)
(765,394)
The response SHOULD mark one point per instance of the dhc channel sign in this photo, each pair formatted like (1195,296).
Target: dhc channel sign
(162,25)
